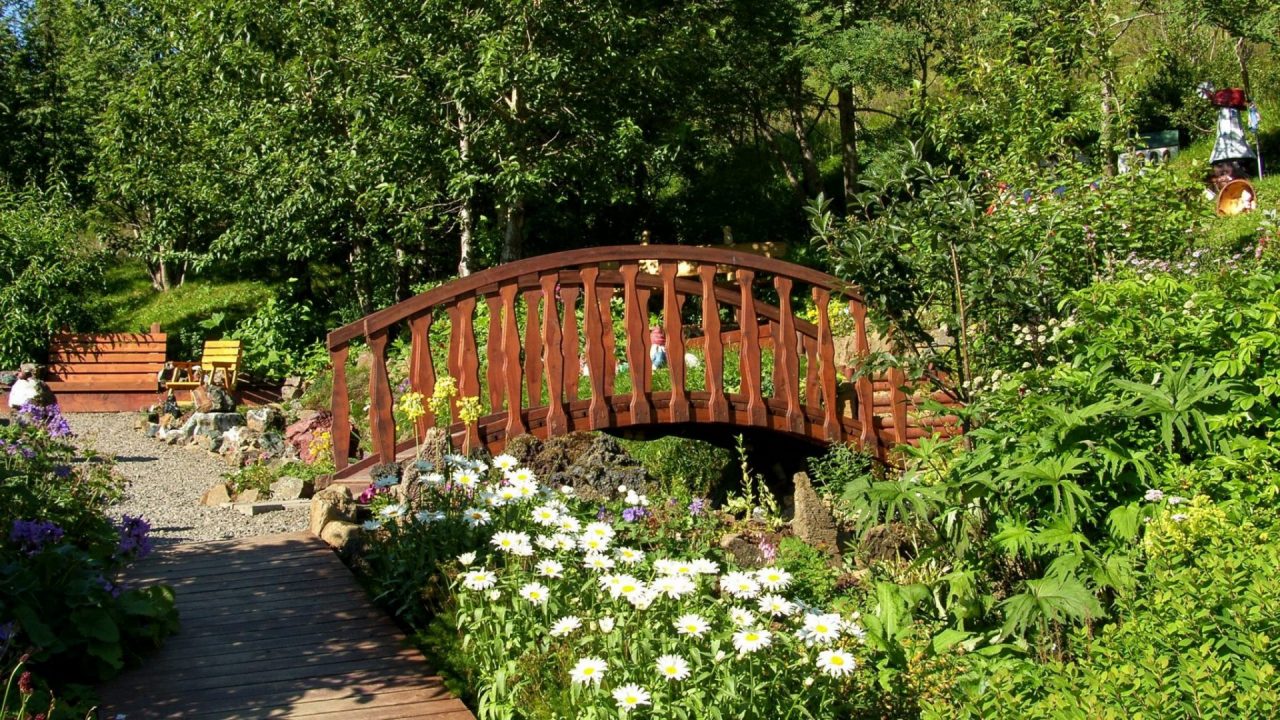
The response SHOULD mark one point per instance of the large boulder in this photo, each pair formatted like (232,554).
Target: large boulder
(290,488)
(215,423)
(524,448)
(303,432)
(332,503)
(593,464)
(344,536)
(263,419)
(813,521)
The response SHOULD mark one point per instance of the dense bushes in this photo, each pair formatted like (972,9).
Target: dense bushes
(47,269)
(61,605)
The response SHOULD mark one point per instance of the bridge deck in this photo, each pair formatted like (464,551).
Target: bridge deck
(275,627)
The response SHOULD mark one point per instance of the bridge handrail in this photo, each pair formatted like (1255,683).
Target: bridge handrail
(479,283)
(805,405)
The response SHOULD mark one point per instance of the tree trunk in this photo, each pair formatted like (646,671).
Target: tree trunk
(1107,123)
(159,271)
(848,145)
(466,219)
(513,238)
(1242,57)
(808,161)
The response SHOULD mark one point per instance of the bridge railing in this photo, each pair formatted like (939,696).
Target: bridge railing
(531,372)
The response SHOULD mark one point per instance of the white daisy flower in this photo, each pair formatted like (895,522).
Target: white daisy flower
(739,585)
(511,542)
(455,459)
(820,629)
(564,541)
(741,616)
(429,516)
(521,475)
(776,605)
(836,663)
(494,594)
(773,578)
(479,466)
(565,625)
(371,525)
(549,568)
(674,586)
(476,517)
(629,556)
(432,477)
(748,641)
(506,494)
(535,593)
(466,558)
(596,561)
(703,566)
(546,542)
(673,667)
(630,696)
(394,510)
(505,462)
(593,544)
(606,624)
(566,490)
(854,629)
(692,625)
(525,489)
(479,580)
(664,566)
(642,598)
(588,670)
(569,524)
(600,530)
(466,478)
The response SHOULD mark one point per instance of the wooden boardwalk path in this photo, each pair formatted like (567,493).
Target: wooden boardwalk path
(274,627)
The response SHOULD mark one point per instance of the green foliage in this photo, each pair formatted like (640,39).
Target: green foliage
(61,557)
(46,270)
(685,468)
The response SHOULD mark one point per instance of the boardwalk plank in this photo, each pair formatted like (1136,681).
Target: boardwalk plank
(275,627)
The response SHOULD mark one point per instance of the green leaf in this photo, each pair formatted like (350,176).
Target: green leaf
(96,623)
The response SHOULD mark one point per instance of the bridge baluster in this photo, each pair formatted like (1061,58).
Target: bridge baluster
(569,340)
(557,421)
(604,301)
(341,406)
(493,347)
(422,372)
(786,357)
(533,345)
(637,337)
(718,405)
(898,403)
(595,347)
(468,361)
(453,363)
(831,427)
(750,358)
(511,369)
(644,294)
(673,327)
(381,422)
(812,387)
(864,388)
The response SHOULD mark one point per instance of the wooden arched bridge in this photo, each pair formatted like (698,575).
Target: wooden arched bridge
(535,340)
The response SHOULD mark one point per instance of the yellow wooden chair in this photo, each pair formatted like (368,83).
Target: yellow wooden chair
(220,357)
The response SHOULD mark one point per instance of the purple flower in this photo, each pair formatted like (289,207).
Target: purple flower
(7,630)
(111,588)
(698,506)
(62,471)
(367,496)
(32,535)
(634,514)
(768,551)
(50,419)
(134,540)
(602,513)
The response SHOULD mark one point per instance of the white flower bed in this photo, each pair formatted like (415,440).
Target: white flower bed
(557,618)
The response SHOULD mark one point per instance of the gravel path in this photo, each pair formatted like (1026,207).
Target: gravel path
(166,483)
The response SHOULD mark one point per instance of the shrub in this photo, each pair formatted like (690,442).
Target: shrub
(61,602)
(47,268)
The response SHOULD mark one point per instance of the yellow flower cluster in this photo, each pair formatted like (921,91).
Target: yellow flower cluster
(469,409)
(410,405)
(442,396)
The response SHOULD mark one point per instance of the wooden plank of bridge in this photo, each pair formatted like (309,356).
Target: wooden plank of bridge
(274,627)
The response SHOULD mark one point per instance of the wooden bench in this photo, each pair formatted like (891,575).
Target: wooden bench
(113,372)
(219,357)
